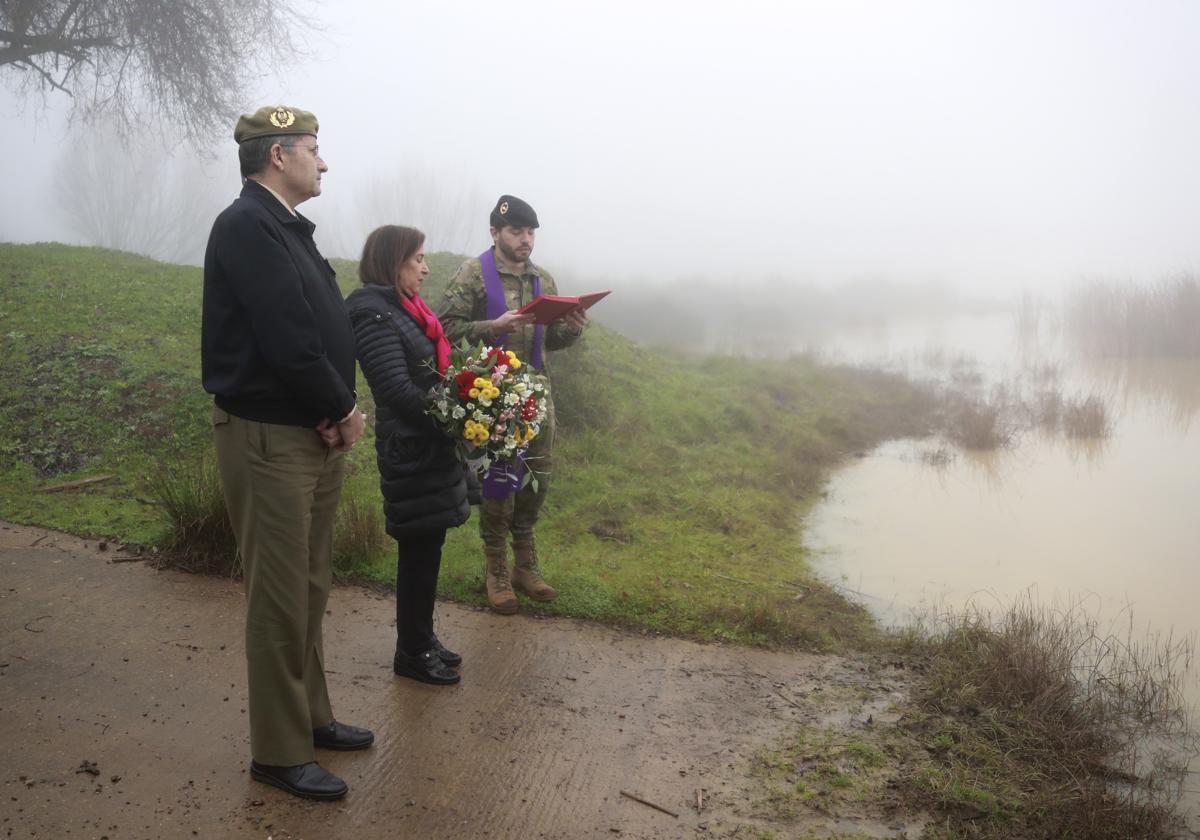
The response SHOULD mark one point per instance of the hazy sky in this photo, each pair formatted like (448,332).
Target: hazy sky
(985,144)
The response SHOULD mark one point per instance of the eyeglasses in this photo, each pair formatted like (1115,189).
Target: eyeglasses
(315,149)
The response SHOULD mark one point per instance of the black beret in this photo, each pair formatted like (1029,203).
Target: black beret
(510,210)
(271,120)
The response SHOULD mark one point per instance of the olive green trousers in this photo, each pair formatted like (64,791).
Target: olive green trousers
(282,485)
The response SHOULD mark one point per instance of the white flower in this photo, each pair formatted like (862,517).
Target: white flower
(511,399)
(519,387)
(458,412)
(479,417)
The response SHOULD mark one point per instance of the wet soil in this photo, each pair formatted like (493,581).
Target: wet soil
(123,715)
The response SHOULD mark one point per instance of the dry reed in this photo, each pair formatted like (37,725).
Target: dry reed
(200,538)
(359,536)
(1061,728)
(1110,319)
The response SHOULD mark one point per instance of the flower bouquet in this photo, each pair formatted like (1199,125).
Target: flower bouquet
(492,405)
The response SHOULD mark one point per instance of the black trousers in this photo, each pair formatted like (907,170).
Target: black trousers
(417,565)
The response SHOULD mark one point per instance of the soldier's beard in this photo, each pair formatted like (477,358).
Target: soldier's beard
(511,255)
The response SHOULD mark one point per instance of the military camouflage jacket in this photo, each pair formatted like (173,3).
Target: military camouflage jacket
(463,310)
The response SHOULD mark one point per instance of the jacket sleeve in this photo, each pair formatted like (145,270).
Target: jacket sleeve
(266,283)
(463,310)
(558,336)
(384,362)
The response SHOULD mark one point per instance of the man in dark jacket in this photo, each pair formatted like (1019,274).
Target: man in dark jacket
(277,353)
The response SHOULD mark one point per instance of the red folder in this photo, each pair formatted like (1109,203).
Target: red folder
(548,308)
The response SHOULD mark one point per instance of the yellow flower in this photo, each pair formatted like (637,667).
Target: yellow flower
(473,393)
(475,432)
(481,382)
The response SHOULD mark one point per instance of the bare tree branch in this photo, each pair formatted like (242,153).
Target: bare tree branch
(188,61)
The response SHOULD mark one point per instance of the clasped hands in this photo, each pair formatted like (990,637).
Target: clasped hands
(344,434)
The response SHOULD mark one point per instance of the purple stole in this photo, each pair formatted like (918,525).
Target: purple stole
(504,478)
(497,305)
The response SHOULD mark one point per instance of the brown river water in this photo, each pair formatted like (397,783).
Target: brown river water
(1112,522)
(1110,527)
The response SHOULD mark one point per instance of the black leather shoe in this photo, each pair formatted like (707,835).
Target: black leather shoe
(448,656)
(310,781)
(341,736)
(426,667)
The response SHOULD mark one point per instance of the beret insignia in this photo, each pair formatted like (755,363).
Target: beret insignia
(282,118)
(503,208)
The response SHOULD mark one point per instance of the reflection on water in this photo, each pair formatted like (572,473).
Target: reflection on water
(1111,519)
(1169,386)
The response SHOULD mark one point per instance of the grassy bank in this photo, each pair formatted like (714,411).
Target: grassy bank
(1030,723)
(678,487)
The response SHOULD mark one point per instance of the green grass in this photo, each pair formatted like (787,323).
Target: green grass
(679,487)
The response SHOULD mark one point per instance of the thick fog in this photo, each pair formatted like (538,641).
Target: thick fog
(985,145)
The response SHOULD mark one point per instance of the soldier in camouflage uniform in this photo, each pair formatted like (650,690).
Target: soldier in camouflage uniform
(464,314)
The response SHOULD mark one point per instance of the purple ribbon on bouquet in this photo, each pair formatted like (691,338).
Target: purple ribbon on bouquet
(503,479)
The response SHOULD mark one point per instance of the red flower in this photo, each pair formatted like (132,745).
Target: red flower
(465,382)
(529,408)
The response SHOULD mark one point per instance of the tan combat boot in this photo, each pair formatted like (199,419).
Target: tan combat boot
(499,590)
(526,576)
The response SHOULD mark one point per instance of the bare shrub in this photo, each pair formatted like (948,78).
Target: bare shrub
(1086,418)
(981,425)
(939,456)
(359,537)
(200,537)
(1066,729)
(1047,409)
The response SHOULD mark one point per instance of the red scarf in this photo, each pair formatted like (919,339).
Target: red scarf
(420,310)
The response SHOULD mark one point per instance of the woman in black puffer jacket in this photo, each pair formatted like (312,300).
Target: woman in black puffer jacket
(402,351)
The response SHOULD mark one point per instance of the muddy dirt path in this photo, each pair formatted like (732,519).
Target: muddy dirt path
(122,715)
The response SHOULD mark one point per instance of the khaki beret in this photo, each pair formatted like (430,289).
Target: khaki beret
(270,120)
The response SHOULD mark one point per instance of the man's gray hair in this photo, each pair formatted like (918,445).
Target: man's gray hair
(254,154)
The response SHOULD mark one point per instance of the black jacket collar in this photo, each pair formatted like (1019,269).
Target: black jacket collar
(253,189)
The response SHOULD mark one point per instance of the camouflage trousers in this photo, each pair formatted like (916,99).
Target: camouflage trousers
(516,515)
